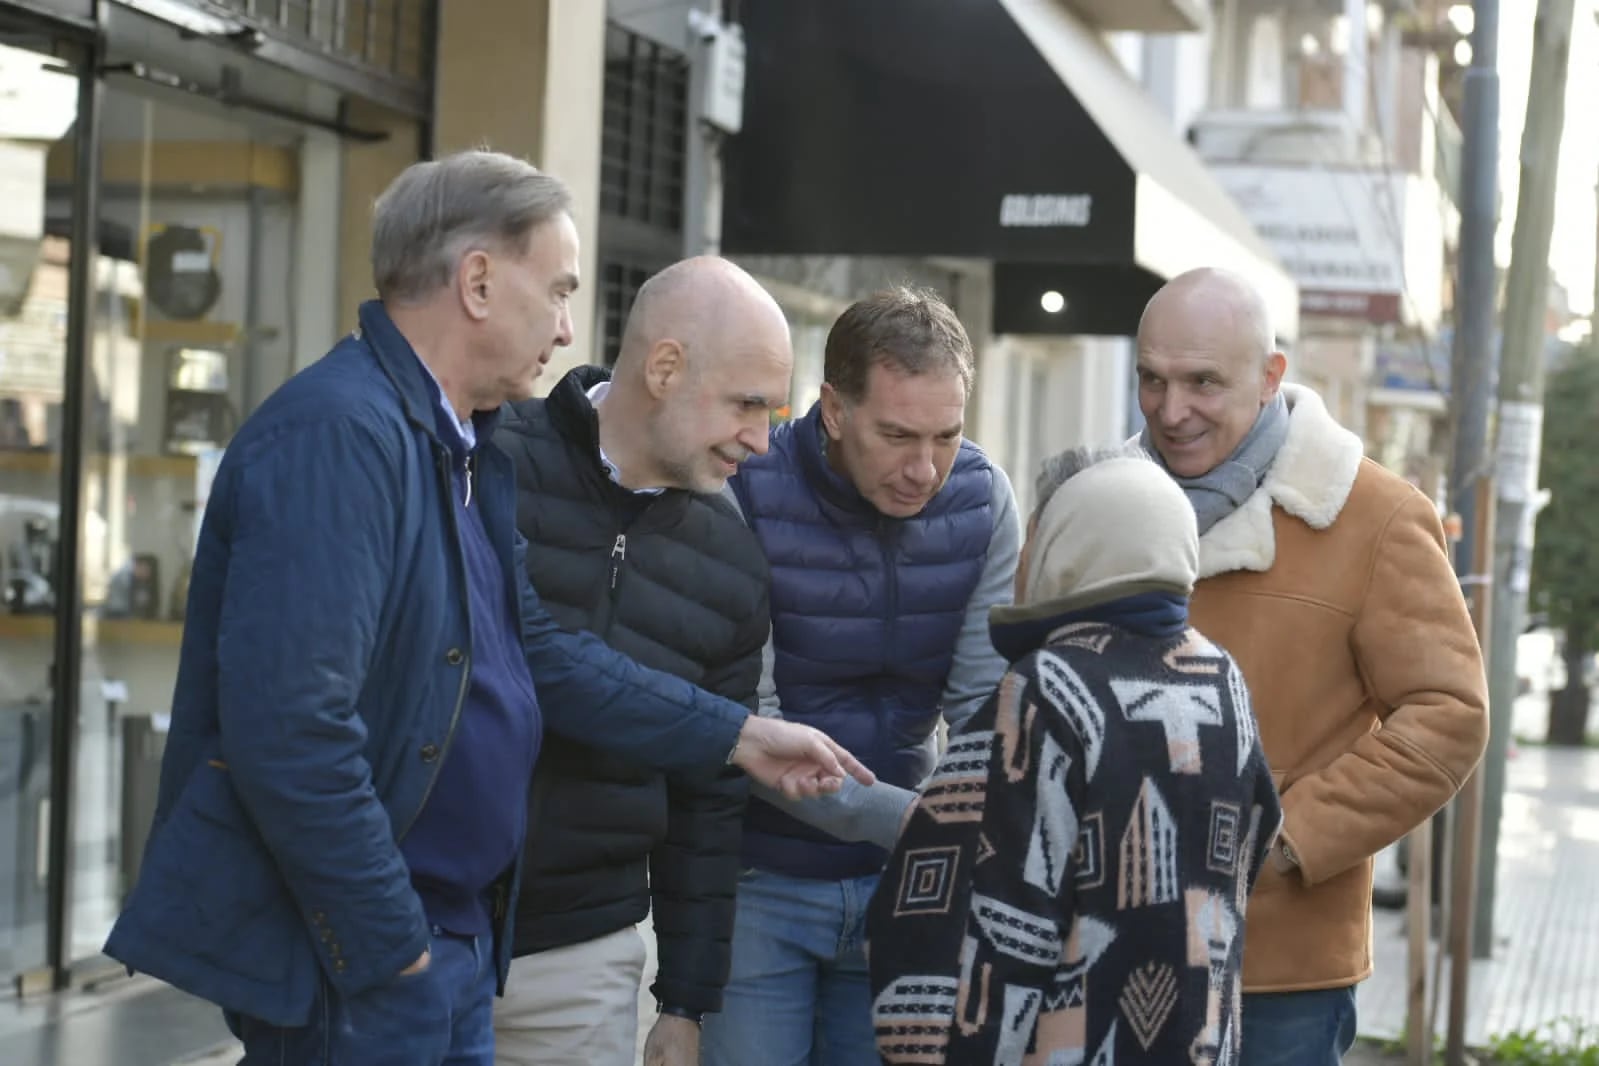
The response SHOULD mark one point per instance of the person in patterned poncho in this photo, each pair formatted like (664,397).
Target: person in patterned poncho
(1070,885)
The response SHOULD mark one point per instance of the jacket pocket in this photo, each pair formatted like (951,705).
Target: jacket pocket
(211,883)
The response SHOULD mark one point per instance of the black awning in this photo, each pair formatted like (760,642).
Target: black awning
(915,127)
(990,129)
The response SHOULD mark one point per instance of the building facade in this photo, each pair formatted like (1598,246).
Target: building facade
(184,223)
(1000,152)
(1332,127)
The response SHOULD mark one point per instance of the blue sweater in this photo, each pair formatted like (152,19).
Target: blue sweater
(469,831)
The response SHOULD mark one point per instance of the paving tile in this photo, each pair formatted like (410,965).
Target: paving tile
(1545,964)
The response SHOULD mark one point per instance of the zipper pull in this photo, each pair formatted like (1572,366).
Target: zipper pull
(618,553)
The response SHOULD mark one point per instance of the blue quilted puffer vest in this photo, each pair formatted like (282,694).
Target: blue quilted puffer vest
(866,610)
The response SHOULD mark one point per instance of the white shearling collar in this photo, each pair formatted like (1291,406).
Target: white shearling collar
(1311,479)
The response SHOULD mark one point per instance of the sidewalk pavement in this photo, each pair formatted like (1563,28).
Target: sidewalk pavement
(1545,966)
(141,1022)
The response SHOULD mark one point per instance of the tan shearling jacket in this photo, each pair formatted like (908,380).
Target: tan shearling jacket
(1332,588)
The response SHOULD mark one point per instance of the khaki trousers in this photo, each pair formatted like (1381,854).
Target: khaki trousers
(573,1006)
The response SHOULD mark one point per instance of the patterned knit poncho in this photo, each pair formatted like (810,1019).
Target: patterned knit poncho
(1070,886)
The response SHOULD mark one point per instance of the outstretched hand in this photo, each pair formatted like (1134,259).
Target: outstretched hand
(795,759)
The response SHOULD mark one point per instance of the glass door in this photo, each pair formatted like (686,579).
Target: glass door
(39,99)
(194,319)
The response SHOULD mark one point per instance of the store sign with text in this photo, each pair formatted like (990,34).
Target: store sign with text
(1349,237)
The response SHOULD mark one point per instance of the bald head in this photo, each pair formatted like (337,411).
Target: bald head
(1214,302)
(1207,364)
(704,304)
(705,359)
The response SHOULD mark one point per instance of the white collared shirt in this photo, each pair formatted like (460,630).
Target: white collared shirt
(595,395)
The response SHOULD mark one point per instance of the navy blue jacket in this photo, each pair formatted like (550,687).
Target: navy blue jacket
(325,661)
(866,613)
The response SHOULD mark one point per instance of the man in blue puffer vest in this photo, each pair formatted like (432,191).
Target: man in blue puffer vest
(366,671)
(889,537)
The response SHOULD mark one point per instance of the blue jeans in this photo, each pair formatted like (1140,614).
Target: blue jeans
(439,1017)
(1298,1028)
(799,993)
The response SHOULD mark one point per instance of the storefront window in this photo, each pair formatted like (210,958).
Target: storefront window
(37,112)
(194,327)
(161,274)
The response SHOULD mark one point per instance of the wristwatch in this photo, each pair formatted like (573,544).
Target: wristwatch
(1284,857)
(695,1016)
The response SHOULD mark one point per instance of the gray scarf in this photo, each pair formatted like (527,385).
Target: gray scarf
(1219,493)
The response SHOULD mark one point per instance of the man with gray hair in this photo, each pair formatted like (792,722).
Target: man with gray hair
(1327,577)
(366,671)
(1072,882)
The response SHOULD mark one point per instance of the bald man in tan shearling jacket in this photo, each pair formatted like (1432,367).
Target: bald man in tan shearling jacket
(1328,580)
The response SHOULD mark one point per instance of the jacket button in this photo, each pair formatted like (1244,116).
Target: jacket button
(319,917)
(338,964)
(327,935)
(430,752)
(455,657)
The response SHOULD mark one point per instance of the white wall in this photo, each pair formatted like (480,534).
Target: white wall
(1177,75)
(315,323)
(664,21)
(573,106)
(1129,50)
(1039,396)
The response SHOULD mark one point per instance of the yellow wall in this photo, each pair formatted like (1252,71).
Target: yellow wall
(520,76)
(367,170)
(527,77)
(491,76)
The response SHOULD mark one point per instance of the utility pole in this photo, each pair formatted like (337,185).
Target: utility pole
(1521,386)
(1476,291)
(1473,365)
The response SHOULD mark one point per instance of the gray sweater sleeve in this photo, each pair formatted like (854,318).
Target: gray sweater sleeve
(857,812)
(977,668)
(874,813)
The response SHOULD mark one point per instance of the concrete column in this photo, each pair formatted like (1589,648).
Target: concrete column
(493,77)
(527,77)
(318,317)
(365,172)
(573,112)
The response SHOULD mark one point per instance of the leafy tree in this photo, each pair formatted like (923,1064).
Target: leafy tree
(1565,568)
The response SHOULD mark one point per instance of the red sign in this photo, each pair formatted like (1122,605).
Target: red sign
(1378,307)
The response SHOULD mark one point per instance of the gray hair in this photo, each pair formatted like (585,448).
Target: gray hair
(435,212)
(1059,469)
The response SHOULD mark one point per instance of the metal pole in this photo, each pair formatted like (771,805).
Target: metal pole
(1418,1015)
(1521,385)
(1468,812)
(1475,294)
(65,675)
